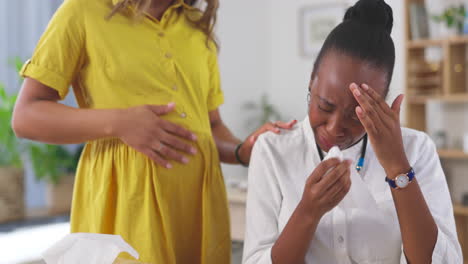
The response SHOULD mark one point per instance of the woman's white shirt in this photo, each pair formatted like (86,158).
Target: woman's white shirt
(364,227)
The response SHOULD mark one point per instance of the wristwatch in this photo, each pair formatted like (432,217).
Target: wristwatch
(401,181)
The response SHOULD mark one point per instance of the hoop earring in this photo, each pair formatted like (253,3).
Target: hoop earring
(308,98)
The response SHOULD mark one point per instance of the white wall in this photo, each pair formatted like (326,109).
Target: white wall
(22,22)
(244,33)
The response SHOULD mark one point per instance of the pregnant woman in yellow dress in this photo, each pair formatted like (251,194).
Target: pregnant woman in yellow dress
(146,80)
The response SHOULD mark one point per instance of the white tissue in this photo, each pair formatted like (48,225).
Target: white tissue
(88,248)
(334,152)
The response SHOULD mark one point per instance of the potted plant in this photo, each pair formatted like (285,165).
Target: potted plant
(261,111)
(264,112)
(11,166)
(453,17)
(56,165)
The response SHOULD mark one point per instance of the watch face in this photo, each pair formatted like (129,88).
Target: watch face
(402,181)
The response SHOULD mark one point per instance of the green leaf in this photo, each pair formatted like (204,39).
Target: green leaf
(51,162)
(10,146)
(16,63)
(3,94)
(453,17)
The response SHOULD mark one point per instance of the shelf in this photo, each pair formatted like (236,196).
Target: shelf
(42,213)
(453,98)
(237,196)
(425,43)
(460,210)
(452,154)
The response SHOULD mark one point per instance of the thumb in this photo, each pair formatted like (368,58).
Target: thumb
(162,109)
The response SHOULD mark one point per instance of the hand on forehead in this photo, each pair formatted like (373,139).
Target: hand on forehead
(338,71)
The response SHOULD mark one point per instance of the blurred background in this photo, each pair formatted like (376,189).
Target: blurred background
(267,51)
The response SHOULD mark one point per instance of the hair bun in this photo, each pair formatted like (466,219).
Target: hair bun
(371,12)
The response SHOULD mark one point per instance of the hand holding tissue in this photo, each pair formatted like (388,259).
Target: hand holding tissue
(358,196)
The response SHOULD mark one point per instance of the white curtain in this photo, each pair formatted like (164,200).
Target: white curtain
(22,22)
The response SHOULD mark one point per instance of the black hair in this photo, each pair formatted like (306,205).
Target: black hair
(364,34)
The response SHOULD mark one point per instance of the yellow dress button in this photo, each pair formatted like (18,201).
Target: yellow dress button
(174,87)
(168,55)
(161,34)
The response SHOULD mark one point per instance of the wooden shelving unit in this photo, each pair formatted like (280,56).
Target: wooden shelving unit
(42,213)
(453,154)
(426,43)
(450,98)
(452,89)
(237,205)
(460,210)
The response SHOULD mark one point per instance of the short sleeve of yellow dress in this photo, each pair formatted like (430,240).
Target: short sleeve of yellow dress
(176,215)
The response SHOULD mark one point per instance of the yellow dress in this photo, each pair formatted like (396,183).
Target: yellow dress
(176,215)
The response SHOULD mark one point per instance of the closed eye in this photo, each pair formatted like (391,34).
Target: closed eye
(324,109)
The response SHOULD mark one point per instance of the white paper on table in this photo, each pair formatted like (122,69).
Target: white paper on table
(78,248)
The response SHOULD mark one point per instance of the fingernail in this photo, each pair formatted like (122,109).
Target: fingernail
(193,137)
(353,86)
(185,160)
(359,110)
(171,104)
(193,151)
(169,166)
(357,92)
(365,87)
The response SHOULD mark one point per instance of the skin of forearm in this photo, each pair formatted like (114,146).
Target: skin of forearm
(417,226)
(55,123)
(226,142)
(295,239)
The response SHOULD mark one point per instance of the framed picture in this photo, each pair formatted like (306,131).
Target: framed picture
(315,23)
